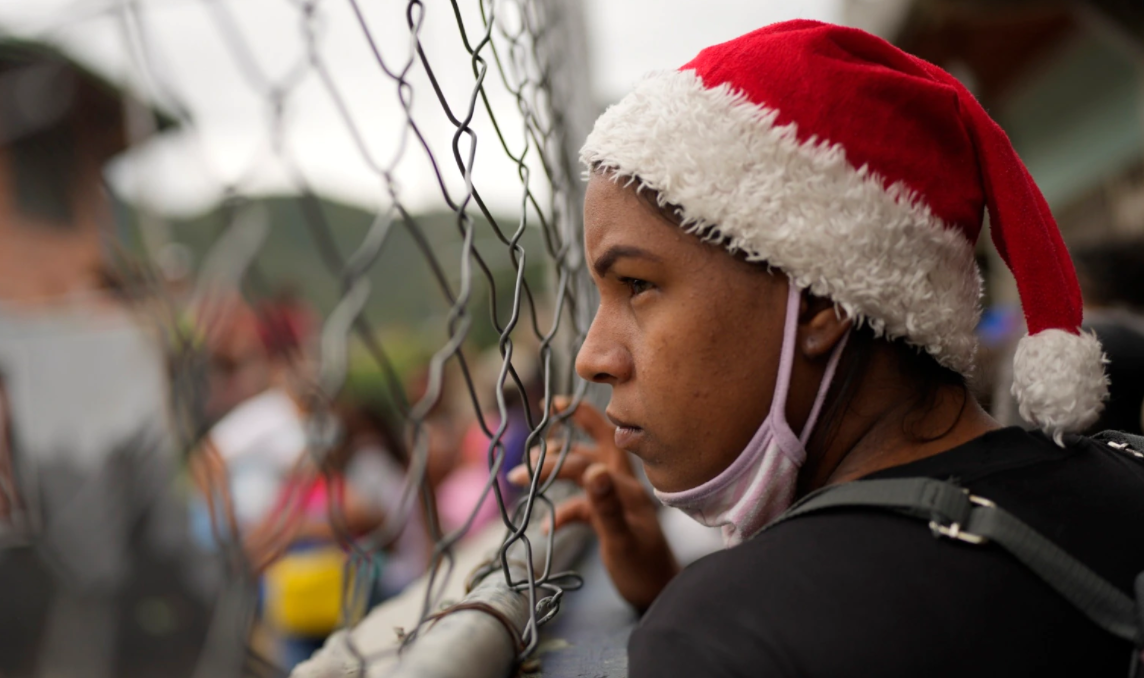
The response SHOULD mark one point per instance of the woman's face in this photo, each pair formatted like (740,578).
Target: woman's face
(687,336)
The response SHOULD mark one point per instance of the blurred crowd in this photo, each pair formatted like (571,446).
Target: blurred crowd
(163,439)
(297,510)
(313,493)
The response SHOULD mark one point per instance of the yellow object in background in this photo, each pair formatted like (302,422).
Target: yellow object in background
(304,592)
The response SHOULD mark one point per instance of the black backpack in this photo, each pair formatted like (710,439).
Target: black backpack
(953,513)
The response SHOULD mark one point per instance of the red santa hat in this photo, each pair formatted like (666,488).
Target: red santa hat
(862,172)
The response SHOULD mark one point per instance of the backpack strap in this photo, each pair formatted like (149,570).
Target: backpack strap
(1127,443)
(954,513)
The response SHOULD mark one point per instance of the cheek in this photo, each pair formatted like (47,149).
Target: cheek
(707,377)
(706,372)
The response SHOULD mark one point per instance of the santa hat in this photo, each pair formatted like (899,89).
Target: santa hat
(862,173)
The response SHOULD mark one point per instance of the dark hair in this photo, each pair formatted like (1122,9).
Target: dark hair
(365,419)
(917,366)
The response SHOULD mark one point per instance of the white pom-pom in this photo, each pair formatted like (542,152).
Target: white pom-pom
(1059,381)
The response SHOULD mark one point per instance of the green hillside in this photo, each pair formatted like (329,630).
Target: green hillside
(407,307)
(405,292)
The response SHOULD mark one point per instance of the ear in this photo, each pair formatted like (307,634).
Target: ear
(821,325)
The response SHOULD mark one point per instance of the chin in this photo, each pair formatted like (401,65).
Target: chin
(659,477)
(660,471)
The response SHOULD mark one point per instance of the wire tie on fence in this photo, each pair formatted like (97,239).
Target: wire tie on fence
(484,569)
(478,606)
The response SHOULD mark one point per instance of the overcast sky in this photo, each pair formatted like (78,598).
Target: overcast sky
(628,38)
(222,66)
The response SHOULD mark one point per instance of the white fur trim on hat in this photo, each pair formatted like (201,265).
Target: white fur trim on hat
(743,181)
(1059,381)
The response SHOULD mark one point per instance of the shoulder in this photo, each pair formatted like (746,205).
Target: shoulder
(888,595)
(884,594)
(804,559)
(764,607)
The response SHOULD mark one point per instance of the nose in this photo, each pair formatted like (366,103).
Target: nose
(604,358)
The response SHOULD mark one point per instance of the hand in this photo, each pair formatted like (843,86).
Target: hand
(614,503)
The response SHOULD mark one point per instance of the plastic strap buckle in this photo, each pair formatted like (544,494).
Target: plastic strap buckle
(953,530)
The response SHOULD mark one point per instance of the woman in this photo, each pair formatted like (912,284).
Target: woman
(782,235)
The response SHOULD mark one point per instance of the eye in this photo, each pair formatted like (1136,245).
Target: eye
(636,286)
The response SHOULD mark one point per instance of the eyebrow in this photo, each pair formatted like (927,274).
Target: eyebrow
(616,252)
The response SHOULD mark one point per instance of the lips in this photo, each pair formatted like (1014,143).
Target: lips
(627,434)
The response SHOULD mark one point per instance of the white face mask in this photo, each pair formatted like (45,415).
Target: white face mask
(760,483)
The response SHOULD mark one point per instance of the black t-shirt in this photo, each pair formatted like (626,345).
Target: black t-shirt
(869,593)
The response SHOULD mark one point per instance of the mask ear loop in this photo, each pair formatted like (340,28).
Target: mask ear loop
(786,366)
(786,357)
(823,389)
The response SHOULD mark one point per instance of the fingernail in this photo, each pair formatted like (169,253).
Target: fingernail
(519,475)
(600,484)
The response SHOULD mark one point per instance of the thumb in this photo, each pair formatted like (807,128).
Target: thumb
(607,509)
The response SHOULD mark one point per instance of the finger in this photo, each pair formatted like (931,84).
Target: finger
(603,432)
(575,463)
(594,423)
(553,448)
(607,510)
(559,403)
(631,490)
(575,510)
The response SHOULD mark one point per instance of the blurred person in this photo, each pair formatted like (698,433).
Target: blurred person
(358,489)
(440,436)
(258,432)
(374,463)
(88,409)
(13,511)
(254,478)
(465,496)
(242,360)
(782,235)
(1111,279)
(364,477)
(289,324)
(462,494)
(95,464)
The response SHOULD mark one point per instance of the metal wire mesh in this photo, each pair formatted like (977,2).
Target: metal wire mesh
(521,92)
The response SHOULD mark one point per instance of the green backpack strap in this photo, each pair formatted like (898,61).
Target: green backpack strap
(953,513)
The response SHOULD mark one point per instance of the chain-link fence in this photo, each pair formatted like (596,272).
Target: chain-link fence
(357,337)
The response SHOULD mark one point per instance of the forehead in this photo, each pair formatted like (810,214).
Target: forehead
(614,213)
